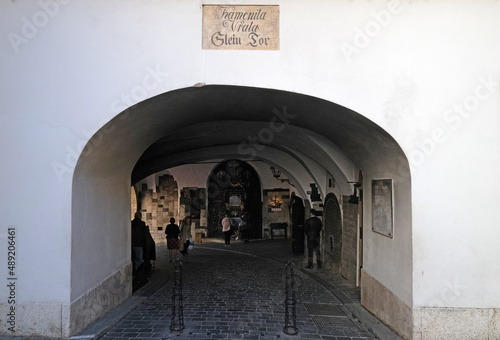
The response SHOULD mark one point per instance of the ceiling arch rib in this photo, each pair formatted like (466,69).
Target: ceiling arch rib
(299,175)
(295,141)
(142,125)
(317,172)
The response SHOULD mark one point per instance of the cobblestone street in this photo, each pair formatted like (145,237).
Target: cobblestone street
(238,292)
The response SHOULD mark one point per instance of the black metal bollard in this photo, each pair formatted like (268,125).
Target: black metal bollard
(290,301)
(177,320)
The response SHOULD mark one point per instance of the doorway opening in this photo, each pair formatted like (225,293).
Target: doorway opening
(332,221)
(307,136)
(234,188)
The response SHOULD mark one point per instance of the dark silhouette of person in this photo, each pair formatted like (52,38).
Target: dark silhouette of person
(312,229)
(172,231)
(139,234)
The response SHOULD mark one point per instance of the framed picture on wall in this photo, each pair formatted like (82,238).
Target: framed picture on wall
(382,212)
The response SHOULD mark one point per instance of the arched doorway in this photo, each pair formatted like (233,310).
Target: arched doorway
(184,126)
(332,242)
(234,188)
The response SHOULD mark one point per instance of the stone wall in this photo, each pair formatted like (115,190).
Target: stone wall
(193,203)
(158,207)
(387,307)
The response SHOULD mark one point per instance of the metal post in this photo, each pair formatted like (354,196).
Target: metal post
(290,301)
(177,320)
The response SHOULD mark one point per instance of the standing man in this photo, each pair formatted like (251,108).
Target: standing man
(139,231)
(312,229)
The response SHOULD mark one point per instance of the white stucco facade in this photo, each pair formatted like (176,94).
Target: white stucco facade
(426,72)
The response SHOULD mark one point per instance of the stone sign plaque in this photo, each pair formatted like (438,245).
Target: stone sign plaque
(382,207)
(232,27)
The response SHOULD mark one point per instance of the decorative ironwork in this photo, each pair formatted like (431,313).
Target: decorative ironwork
(227,180)
(290,301)
(177,320)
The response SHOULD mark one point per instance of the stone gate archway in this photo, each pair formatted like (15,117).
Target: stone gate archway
(184,126)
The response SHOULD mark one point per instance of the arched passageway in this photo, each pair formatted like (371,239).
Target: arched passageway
(307,137)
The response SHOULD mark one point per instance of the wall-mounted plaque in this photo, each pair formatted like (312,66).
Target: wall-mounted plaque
(233,27)
(382,207)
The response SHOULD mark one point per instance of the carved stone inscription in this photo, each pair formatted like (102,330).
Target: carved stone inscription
(228,27)
(382,207)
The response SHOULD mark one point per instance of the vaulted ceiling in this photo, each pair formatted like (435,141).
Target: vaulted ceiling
(219,121)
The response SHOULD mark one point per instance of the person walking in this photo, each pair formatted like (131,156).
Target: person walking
(226,229)
(312,229)
(172,232)
(185,235)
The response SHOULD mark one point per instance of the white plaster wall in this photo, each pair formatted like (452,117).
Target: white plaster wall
(381,258)
(454,227)
(91,59)
(192,175)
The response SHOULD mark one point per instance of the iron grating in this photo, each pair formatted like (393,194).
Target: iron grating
(324,309)
(334,323)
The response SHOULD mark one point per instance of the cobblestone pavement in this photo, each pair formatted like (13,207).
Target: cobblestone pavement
(239,292)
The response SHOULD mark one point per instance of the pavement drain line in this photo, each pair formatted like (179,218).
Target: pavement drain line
(329,317)
(333,323)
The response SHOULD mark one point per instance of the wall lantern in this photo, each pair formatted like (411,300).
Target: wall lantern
(276,172)
(354,199)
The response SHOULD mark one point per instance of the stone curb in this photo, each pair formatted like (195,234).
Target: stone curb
(101,326)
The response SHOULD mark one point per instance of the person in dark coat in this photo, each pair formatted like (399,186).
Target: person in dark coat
(172,231)
(312,229)
(139,234)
